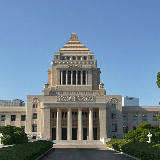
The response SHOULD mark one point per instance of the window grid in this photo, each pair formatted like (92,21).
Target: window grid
(144,117)
(34,115)
(134,117)
(154,117)
(2,117)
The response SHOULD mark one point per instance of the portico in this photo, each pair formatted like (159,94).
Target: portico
(75,123)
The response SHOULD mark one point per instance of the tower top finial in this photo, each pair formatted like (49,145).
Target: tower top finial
(73,37)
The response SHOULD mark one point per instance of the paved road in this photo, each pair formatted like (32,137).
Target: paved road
(83,154)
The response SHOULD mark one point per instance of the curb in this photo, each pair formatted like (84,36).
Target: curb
(43,154)
(123,153)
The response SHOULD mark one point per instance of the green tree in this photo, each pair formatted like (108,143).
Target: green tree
(13,135)
(141,132)
(158,80)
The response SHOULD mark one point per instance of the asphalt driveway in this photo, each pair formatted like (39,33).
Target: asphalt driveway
(83,154)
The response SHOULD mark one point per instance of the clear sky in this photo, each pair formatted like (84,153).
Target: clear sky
(123,34)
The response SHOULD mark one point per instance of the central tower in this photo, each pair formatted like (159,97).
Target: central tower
(73,69)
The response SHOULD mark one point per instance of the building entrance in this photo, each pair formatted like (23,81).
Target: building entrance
(64,133)
(53,133)
(74,133)
(95,133)
(84,133)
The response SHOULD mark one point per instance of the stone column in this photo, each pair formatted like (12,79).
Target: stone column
(86,78)
(90,123)
(80,125)
(81,77)
(76,77)
(58,126)
(66,77)
(102,121)
(71,77)
(61,77)
(46,133)
(69,124)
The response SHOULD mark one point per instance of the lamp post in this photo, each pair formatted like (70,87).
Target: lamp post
(0,139)
(149,135)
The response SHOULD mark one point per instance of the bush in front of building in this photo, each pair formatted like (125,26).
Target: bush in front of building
(25,151)
(13,135)
(141,132)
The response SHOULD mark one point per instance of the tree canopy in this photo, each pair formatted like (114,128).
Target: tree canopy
(158,80)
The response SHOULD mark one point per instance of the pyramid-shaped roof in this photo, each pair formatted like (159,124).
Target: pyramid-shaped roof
(74,44)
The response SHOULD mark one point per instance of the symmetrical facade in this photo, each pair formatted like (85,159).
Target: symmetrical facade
(74,104)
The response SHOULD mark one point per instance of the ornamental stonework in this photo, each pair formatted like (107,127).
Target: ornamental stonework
(74,98)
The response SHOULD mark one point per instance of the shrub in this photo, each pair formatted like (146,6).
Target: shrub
(141,132)
(13,135)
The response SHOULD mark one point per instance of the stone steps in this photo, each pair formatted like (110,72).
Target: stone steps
(100,147)
(77,142)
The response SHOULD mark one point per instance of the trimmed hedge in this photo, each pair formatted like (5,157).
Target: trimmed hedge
(26,151)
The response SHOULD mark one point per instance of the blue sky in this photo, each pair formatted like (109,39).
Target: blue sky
(124,36)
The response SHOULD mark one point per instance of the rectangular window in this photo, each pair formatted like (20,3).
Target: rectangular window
(79,58)
(23,128)
(23,117)
(74,58)
(62,114)
(124,118)
(84,58)
(74,77)
(65,114)
(114,128)
(75,114)
(33,105)
(52,114)
(34,128)
(69,77)
(84,77)
(144,117)
(125,129)
(60,77)
(34,115)
(134,117)
(90,57)
(85,114)
(95,114)
(79,77)
(72,114)
(13,117)
(63,58)
(64,77)
(113,115)
(154,117)
(2,117)
(82,114)
(68,57)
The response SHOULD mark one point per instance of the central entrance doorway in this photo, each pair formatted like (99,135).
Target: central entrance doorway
(64,133)
(74,133)
(95,133)
(84,133)
(53,133)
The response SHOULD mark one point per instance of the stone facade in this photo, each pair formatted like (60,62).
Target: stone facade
(74,104)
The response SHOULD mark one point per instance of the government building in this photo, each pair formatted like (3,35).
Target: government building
(74,104)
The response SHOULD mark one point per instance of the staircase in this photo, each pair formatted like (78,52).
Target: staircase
(77,142)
